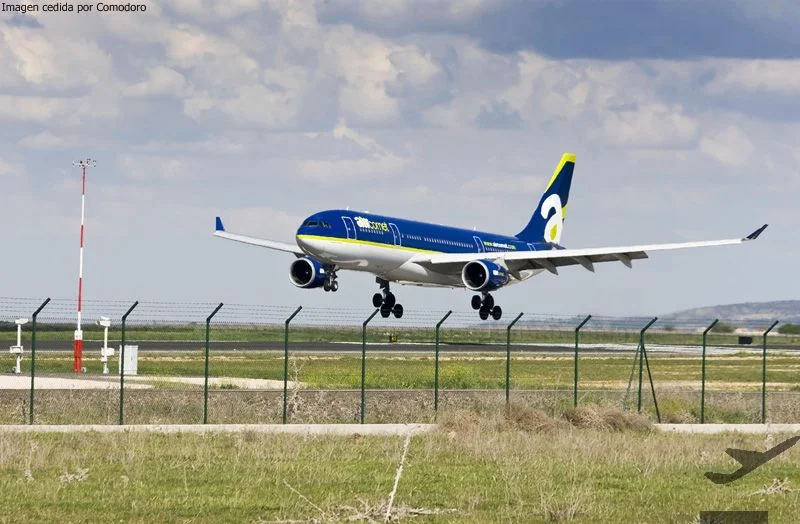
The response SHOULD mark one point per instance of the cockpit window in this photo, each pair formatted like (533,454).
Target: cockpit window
(316,223)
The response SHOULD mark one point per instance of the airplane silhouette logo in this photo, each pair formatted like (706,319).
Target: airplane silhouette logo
(749,460)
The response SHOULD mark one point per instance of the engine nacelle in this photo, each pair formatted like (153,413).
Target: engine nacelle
(307,273)
(484,275)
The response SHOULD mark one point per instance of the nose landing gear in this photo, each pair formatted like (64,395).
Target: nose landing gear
(486,306)
(386,301)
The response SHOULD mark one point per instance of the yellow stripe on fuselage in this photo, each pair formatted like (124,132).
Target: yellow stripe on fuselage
(566,157)
(366,243)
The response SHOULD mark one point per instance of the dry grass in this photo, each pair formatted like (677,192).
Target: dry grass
(606,419)
(514,465)
(518,417)
(185,406)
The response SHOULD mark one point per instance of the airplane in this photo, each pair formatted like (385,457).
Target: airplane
(424,254)
(749,460)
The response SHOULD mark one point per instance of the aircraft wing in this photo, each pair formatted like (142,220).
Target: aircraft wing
(552,259)
(271,244)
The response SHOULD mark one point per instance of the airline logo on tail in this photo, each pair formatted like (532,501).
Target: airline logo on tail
(553,227)
(547,222)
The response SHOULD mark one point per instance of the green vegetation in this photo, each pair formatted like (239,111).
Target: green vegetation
(495,334)
(457,370)
(789,329)
(722,327)
(512,466)
(400,387)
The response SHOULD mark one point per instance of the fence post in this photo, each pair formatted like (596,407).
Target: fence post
(575,375)
(641,361)
(286,360)
(33,352)
(508,355)
(764,373)
(205,382)
(703,374)
(122,366)
(364,363)
(436,367)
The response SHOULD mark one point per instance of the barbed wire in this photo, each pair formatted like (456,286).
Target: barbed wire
(62,311)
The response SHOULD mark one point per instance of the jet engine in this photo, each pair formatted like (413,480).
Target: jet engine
(307,273)
(484,275)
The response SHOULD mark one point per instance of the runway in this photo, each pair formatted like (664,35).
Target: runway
(422,348)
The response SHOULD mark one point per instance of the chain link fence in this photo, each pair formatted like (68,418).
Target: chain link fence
(239,363)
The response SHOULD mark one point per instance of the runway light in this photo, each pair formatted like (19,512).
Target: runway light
(17,350)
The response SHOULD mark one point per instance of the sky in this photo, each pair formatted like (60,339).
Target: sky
(684,117)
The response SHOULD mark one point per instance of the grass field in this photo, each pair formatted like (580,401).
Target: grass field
(400,387)
(496,333)
(517,466)
(457,370)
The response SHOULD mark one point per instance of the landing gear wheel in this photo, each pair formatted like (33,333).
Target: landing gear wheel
(497,313)
(397,311)
(377,300)
(488,301)
(385,311)
(483,313)
(389,300)
(476,302)
(326,285)
(334,286)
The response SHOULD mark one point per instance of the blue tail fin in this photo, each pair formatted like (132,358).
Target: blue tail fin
(547,221)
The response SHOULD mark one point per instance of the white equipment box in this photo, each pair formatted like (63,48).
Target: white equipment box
(131,360)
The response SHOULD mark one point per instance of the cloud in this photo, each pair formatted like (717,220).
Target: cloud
(498,115)
(153,168)
(503,185)
(33,108)
(631,29)
(160,81)
(370,160)
(47,140)
(215,145)
(51,62)
(760,76)
(7,170)
(214,9)
(199,106)
(729,146)
(650,126)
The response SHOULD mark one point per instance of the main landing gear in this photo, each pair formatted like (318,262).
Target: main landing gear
(486,306)
(386,300)
(330,283)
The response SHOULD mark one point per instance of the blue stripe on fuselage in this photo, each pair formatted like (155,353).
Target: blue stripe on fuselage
(347,224)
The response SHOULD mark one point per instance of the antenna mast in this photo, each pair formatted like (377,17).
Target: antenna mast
(77,352)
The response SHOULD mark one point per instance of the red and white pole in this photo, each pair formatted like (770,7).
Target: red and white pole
(77,352)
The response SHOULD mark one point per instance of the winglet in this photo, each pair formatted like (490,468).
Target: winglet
(220,227)
(755,234)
